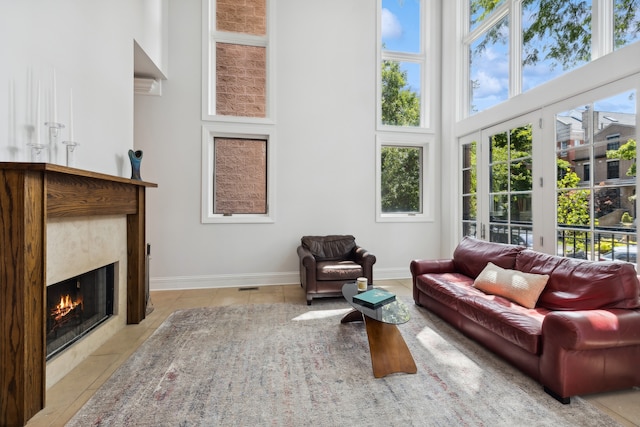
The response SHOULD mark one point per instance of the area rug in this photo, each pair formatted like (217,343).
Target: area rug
(297,365)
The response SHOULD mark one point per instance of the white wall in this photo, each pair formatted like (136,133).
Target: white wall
(325,159)
(89,44)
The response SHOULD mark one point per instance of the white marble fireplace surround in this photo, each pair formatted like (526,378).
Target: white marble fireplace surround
(75,246)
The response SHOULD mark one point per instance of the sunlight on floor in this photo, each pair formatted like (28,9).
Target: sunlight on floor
(469,374)
(322,314)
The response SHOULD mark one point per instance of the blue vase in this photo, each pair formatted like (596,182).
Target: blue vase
(136,158)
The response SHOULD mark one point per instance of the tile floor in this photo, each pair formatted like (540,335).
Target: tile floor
(66,397)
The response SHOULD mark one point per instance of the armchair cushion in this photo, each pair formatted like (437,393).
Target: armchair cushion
(330,248)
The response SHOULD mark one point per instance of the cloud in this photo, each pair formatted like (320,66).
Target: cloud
(488,85)
(391,27)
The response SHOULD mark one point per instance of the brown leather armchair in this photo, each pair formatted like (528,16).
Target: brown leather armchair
(328,262)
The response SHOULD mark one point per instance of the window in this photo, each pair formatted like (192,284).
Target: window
(405,82)
(613,169)
(236,61)
(237,175)
(403,98)
(401,182)
(238,179)
(512,46)
(590,209)
(469,189)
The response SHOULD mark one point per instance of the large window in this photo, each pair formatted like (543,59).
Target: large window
(238,182)
(403,99)
(596,210)
(513,46)
(405,77)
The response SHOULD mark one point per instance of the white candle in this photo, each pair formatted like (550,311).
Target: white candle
(54,99)
(37,123)
(12,112)
(71,115)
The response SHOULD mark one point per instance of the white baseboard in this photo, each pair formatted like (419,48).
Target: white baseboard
(261,279)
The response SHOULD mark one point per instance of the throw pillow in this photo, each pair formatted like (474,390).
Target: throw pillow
(521,288)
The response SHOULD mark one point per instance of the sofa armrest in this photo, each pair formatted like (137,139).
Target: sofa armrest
(592,329)
(438,266)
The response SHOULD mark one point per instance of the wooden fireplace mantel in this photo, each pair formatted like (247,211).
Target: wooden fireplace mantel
(30,194)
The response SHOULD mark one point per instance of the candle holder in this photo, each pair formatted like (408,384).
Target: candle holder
(71,149)
(54,134)
(54,130)
(36,151)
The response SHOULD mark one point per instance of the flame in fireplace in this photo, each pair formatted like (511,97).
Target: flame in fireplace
(66,306)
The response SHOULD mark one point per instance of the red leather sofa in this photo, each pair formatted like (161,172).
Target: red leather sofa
(581,337)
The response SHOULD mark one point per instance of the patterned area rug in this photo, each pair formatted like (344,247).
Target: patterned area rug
(296,365)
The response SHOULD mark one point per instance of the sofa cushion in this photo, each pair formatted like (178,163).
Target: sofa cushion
(517,286)
(338,270)
(445,288)
(576,284)
(325,248)
(516,324)
(472,255)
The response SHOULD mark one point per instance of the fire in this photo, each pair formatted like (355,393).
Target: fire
(65,307)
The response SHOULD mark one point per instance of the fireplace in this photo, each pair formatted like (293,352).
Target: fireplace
(76,306)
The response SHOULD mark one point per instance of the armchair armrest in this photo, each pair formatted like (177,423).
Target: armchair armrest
(592,329)
(306,257)
(366,259)
(438,266)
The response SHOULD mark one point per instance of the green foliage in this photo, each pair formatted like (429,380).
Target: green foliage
(511,160)
(400,179)
(400,105)
(573,203)
(627,151)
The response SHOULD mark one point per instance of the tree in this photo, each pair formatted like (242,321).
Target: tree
(559,30)
(400,171)
(400,105)
(400,179)
(627,151)
(573,203)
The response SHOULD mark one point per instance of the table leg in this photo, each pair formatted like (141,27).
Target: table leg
(352,316)
(389,351)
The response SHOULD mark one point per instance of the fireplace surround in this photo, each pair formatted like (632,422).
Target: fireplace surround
(31,196)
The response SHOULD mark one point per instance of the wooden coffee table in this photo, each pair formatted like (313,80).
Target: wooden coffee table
(389,351)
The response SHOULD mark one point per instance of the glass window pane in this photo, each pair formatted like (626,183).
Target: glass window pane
(481,10)
(241,80)
(240,176)
(489,58)
(596,161)
(401,25)
(249,17)
(400,101)
(401,183)
(556,38)
(469,207)
(626,22)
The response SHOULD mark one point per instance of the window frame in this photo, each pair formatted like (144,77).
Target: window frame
(427,178)
(210,37)
(209,133)
(427,68)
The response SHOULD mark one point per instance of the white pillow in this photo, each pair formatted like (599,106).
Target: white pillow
(519,287)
